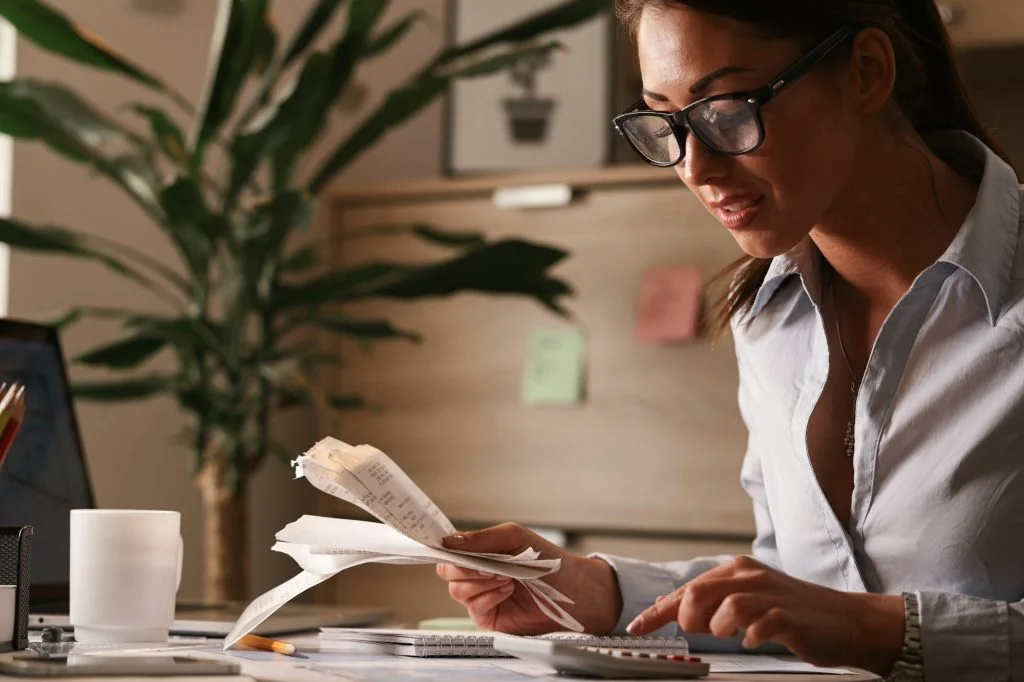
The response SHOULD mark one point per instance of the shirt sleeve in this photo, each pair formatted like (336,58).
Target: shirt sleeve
(965,637)
(641,582)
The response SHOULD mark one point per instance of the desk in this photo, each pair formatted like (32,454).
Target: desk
(322,667)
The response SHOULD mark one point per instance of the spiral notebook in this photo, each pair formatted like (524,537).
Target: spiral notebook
(471,644)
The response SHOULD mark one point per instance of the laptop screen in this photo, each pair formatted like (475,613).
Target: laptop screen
(44,476)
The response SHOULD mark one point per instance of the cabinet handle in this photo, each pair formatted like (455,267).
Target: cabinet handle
(949,14)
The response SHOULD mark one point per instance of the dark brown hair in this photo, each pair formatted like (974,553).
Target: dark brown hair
(929,90)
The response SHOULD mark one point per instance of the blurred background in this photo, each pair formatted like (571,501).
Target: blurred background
(612,427)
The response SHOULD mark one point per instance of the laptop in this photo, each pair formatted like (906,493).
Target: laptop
(45,476)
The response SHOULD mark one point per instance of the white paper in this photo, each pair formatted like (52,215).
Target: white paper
(366,477)
(411,532)
(754,663)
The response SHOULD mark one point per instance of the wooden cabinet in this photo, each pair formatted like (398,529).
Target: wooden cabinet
(654,449)
(984,23)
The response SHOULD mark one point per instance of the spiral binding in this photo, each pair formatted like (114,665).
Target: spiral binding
(481,646)
(452,646)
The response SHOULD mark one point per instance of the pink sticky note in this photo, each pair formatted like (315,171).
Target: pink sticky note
(670,304)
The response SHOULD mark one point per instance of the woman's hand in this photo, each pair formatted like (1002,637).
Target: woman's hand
(820,625)
(499,603)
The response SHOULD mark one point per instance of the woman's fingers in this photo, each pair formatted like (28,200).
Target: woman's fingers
(464,591)
(480,607)
(738,611)
(771,625)
(451,572)
(664,611)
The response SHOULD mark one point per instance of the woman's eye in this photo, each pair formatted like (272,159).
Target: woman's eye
(663,132)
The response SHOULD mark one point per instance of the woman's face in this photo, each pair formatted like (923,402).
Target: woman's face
(770,198)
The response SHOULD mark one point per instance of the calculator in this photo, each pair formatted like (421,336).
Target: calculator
(569,659)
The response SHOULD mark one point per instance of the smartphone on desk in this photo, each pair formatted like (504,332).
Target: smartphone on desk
(31,665)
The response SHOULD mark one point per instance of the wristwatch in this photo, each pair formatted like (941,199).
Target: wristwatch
(910,665)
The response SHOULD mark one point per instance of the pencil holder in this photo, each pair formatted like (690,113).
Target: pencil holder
(15,567)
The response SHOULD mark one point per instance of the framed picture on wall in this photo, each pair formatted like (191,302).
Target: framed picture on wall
(542,113)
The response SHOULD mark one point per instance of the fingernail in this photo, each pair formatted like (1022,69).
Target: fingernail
(455,539)
(485,574)
(505,589)
(634,625)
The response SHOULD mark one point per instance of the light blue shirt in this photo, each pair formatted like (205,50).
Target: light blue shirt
(938,500)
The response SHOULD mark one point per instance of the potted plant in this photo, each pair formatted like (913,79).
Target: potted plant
(528,115)
(236,310)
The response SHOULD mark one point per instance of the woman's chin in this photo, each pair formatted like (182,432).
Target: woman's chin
(766,243)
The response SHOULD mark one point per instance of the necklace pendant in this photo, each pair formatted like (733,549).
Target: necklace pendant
(848,441)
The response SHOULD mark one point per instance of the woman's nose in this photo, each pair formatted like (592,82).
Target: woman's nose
(701,165)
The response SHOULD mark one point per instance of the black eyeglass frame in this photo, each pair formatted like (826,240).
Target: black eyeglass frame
(679,122)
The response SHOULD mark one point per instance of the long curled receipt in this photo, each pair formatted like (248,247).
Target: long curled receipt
(411,532)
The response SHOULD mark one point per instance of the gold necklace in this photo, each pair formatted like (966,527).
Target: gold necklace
(848,439)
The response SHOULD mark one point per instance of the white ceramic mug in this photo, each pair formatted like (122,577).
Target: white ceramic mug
(8,612)
(125,572)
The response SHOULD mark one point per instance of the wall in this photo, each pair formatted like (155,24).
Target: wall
(132,459)
(994,78)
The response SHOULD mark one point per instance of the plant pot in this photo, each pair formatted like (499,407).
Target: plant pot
(528,119)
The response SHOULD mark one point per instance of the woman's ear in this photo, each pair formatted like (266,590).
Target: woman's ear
(872,71)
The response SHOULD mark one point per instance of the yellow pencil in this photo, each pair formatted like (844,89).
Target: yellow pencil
(267,644)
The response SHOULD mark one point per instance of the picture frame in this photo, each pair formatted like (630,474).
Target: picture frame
(541,114)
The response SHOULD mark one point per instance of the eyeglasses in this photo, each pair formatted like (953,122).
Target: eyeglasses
(727,124)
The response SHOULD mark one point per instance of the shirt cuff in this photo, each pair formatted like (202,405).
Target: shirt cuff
(640,583)
(964,637)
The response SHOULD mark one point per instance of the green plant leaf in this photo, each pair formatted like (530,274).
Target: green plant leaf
(53,114)
(361,329)
(511,266)
(237,37)
(302,259)
(346,402)
(266,44)
(285,129)
(64,320)
(344,55)
(562,16)
(122,389)
(168,135)
(405,102)
(250,147)
(54,32)
(190,225)
(127,353)
(449,238)
(316,20)
(59,241)
(393,33)
(269,227)
(338,284)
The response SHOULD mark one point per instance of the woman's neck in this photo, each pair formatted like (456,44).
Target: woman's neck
(896,218)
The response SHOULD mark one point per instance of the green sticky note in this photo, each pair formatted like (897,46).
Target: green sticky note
(448,624)
(553,372)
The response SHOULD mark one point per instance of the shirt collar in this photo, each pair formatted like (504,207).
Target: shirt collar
(984,247)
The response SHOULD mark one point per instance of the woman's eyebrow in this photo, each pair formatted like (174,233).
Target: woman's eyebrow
(702,84)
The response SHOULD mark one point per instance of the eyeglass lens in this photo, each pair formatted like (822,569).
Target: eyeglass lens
(724,125)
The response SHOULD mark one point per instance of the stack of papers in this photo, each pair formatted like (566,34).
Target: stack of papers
(411,532)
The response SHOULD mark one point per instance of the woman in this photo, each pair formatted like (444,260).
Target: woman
(877,323)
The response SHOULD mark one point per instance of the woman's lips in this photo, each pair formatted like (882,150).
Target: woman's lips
(736,213)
